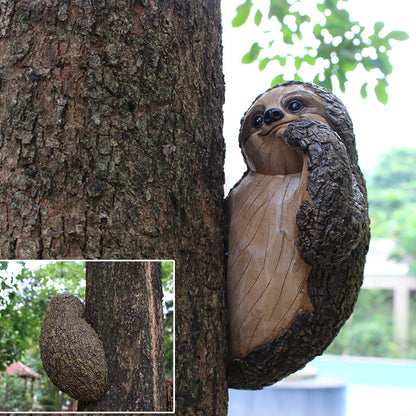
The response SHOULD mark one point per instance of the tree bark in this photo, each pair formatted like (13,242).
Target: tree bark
(111,147)
(124,306)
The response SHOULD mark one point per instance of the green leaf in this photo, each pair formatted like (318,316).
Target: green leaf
(327,82)
(342,79)
(309,59)
(243,11)
(380,90)
(257,18)
(252,54)
(298,62)
(336,23)
(363,90)
(398,35)
(382,63)
(347,65)
(281,59)
(277,80)
(305,18)
(378,26)
(287,36)
(317,29)
(263,63)
(321,7)
(279,8)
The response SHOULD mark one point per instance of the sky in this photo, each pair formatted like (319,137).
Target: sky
(377,127)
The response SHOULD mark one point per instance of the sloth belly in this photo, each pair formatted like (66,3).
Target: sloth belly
(266,277)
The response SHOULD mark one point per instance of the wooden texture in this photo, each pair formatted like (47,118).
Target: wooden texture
(266,285)
(124,305)
(72,353)
(298,236)
(111,148)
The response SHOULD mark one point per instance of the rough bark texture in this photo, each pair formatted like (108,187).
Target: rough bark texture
(71,351)
(124,306)
(333,239)
(111,147)
(169,395)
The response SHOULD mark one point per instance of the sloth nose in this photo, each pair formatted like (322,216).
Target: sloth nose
(274,114)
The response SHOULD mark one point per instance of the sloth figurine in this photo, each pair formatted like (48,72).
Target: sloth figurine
(298,233)
(71,351)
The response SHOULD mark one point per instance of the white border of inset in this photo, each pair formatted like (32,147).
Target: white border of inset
(174,338)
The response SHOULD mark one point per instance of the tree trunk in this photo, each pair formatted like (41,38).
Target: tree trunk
(111,147)
(124,306)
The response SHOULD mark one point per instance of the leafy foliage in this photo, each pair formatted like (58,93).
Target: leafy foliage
(392,203)
(325,39)
(25,293)
(24,296)
(15,396)
(369,332)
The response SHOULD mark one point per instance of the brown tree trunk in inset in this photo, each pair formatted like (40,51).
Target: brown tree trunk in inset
(111,147)
(124,306)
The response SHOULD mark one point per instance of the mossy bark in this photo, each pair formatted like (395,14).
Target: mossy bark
(111,147)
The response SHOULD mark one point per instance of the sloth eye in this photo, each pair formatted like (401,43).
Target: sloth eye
(295,106)
(257,121)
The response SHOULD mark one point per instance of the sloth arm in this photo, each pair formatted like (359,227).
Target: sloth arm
(334,219)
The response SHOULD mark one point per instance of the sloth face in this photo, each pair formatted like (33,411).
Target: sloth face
(261,136)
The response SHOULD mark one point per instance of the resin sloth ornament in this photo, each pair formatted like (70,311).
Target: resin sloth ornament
(71,351)
(298,233)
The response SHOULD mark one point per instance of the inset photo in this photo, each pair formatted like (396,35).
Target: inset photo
(87,336)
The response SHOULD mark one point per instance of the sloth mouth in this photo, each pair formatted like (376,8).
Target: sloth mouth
(276,129)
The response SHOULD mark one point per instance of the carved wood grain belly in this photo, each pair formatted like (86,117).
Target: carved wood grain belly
(266,277)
